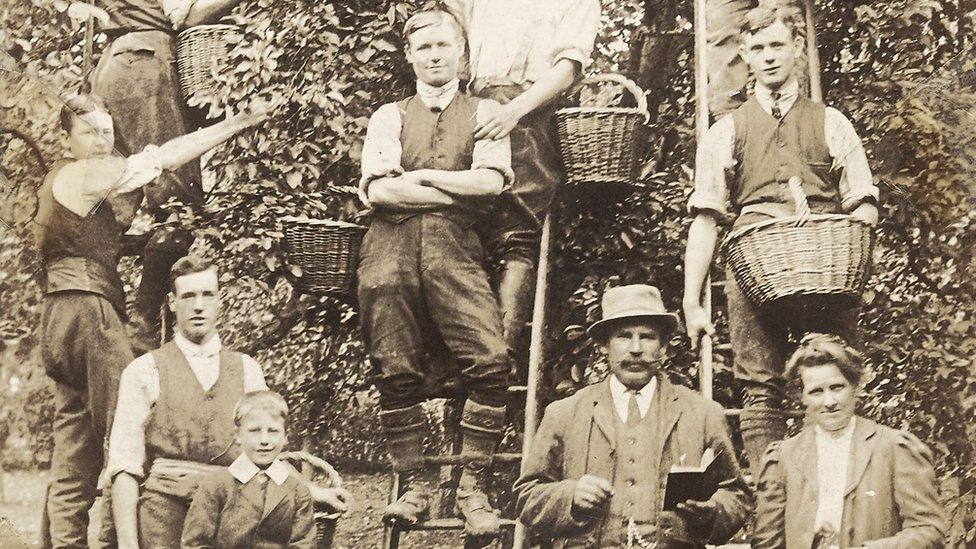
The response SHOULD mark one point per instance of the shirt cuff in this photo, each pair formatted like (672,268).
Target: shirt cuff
(373,175)
(507,173)
(140,169)
(853,200)
(700,202)
(111,471)
(573,54)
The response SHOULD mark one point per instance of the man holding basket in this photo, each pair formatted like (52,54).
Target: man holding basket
(776,148)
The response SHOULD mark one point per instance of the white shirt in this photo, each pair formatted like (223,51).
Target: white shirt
(621,397)
(519,40)
(437,97)
(716,156)
(80,185)
(833,457)
(243,469)
(139,391)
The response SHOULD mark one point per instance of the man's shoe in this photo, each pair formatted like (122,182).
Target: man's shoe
(412,507)
(479,517)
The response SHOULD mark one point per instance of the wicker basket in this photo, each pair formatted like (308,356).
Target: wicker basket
(597,143)
(325,523)
(199,51)
(327,252)
(784,261)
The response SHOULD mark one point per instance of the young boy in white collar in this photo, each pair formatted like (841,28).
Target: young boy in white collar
(255,501)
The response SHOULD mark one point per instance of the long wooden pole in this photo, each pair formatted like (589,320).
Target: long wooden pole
(813,54)
(536,355)
(702,114)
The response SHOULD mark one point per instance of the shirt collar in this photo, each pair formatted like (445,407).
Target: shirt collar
(788,93)
(434,96)
(190,349)
(619,390)
(243,469)
(845,437)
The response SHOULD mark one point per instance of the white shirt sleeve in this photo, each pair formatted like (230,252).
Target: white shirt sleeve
(575,33)
(138,391)
(495,154)
(713,161)
(177,11)
(382,151)
(253,376)
(856,181)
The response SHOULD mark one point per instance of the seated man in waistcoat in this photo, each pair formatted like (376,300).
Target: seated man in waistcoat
(84,345)
(420,274)
(175,415)
(744,166)
(597,469)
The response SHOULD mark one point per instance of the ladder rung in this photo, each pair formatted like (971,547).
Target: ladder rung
(460,459)
(718,285)
(787,413)
(722,348)
(518,389)
(446,524)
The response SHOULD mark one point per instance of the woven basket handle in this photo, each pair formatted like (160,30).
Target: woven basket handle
(628,85)
(802,207)
(335,481)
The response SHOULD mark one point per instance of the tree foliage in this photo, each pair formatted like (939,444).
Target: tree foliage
(902,71)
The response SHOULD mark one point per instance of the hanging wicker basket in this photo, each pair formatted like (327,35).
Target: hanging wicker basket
(200,50)
(325,522)
(598,143)
(327,252)
(786,260)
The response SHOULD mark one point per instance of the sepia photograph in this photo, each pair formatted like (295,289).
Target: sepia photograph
(510,274)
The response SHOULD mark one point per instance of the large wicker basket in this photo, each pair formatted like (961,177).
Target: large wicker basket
(325,522)
(327,252)
(800,260)
(199,51)
(598,143)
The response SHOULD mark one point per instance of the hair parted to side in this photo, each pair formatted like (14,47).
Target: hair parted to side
(821,349)
(266,401)
(80,105)
(430,16)
(189,264)
(768,13)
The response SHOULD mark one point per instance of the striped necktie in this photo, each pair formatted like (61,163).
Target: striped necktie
(775,111)
(633,410)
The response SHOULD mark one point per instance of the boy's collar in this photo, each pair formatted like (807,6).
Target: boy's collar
(243,469)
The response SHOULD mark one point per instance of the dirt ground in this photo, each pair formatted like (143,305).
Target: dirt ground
(23,493)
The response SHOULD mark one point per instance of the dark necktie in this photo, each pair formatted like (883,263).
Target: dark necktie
(633,410)
(776,112)
(262,479)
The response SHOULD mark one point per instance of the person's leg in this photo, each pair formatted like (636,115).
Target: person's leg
(160,520)
(75,464)
(727,72)
(758,357)
(137,78)
(472,329)
(390,311)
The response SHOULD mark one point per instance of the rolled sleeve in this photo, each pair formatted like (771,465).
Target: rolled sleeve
(140,169)
(138,391)
(856,181)
(494,154)
(382,150)
(177,11)
(713,160)
(576,32)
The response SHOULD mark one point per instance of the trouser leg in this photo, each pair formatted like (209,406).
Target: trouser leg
(759,346)
(464,309)
(164,248)
(75,464)
(391,309)
(161,520)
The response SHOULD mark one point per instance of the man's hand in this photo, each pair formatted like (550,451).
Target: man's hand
(696,322)
(699,516)
(591,492)
(337,499)
(867,212)
(498,122)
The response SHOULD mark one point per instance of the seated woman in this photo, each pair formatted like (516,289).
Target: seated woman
(844,481)
(83,340)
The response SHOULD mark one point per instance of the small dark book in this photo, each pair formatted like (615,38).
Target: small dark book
(692,482)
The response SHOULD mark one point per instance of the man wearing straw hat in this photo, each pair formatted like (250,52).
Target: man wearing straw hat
(755,165)
(431,180)
(597,469)
(136,75)
(524,54)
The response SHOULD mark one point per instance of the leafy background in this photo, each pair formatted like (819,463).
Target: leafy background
(902,70)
